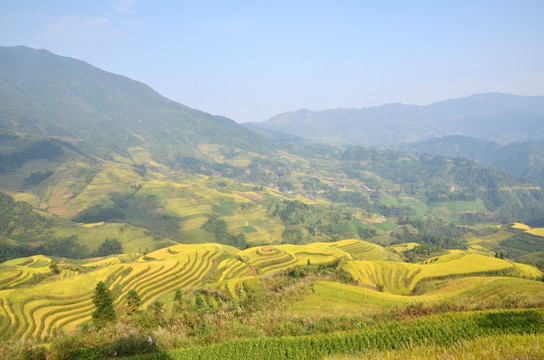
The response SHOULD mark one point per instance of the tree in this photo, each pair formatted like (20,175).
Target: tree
(109,247)
(103,302)
(178,297)
(54,268)
(133,301)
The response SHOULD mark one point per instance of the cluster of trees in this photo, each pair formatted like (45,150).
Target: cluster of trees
(68,247)
(316,222)
(218,227)
(136,209)
(18,216)
(423,251)
(109,247)
(433,235)
(99,212)
(13,251)
(42,149)
(36,177)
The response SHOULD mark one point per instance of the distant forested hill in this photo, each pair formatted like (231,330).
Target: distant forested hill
(521,160)
(436,179)
(498,117)
(103,113)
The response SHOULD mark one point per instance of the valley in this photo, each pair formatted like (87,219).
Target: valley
(230,241)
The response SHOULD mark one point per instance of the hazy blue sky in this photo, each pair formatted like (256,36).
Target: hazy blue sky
(250,60)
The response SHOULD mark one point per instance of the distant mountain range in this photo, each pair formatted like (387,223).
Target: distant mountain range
(521,160)
(496,117)
(48,95)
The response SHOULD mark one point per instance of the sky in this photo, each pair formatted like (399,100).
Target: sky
(251,60)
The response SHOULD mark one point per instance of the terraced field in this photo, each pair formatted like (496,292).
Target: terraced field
(403,247)
(268,259)
(41,310)
(64,301)
(61,302)
(536,231)
(401,278)
(518,241)
(489,240)
(19,271)
(335,299)
(362,250)
(103,262)
(37,311)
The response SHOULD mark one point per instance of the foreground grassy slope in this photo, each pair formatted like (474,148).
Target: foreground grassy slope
(444,330)
(517,346)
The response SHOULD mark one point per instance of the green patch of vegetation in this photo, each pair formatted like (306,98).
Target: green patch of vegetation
(218,228)
(465,206)
(525,242)
(249,229)
(386,225)
(223,209)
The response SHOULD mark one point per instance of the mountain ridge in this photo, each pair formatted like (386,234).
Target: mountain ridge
(514,118)
(66,97)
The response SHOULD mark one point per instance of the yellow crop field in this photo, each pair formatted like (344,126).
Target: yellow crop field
(362,250)
(93,225)
(236,287)
(526,271)
(35,311)
(278,257)
(332,298)
(400,278)
(450,256)
(521,226)
(536,231)
(104,262)
(403,247)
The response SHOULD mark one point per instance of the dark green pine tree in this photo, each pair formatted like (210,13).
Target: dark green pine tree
(103,302)
(133,302)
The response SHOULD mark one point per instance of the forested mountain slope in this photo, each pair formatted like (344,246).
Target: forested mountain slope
(521,160)
(103,113)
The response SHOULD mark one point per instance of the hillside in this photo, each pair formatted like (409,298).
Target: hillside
(264,293)
(496,117)
(442,182)
(229,241)
(103,153)
(65,298)
(521,160)
(102,113)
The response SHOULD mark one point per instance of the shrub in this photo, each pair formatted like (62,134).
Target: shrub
(74,348)
(131,345)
